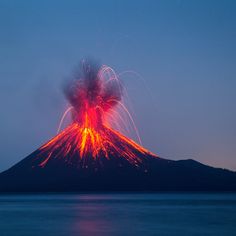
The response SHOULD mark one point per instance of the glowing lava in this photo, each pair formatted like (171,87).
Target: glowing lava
(93,94)
(79,146)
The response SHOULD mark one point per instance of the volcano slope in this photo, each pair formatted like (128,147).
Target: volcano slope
(108,161)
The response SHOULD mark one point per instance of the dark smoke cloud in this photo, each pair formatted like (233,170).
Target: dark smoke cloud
(91,88)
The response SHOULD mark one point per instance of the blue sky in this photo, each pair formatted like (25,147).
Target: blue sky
(184,50)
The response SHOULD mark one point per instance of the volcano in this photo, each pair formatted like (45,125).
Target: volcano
(91,155)
(119,164)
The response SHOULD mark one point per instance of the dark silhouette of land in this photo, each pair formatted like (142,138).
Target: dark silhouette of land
(156,174)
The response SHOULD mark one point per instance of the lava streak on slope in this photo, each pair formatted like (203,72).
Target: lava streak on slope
(82,146)
(94,94)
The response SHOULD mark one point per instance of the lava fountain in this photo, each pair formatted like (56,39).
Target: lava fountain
(94,95)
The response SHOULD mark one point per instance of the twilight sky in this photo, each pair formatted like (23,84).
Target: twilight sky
(184,105)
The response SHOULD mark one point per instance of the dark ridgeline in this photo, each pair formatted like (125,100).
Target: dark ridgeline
(115,174)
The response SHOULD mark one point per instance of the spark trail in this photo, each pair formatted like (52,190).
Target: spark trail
(94,94)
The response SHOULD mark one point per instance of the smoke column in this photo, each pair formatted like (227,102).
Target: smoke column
(93,92)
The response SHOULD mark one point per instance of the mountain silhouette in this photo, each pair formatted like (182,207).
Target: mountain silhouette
(108,161)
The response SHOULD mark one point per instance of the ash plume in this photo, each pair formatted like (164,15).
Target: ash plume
(93,91)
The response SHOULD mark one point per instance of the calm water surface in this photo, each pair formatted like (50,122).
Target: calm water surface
(118,214)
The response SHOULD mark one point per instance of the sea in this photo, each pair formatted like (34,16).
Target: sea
(138,214)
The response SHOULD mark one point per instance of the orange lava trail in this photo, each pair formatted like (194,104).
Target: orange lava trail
(83,142)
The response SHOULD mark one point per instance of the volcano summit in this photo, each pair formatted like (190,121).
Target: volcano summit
(91,155)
